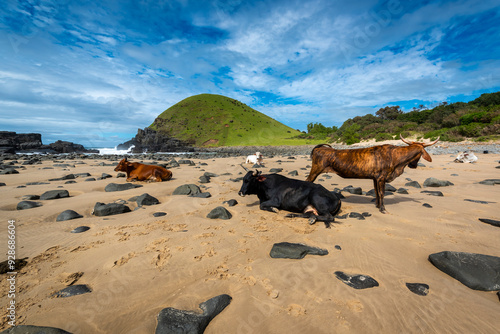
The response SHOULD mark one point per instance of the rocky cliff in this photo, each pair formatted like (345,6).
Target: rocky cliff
(149,140)
(12,142)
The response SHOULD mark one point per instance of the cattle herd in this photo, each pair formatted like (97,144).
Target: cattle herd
(382,164)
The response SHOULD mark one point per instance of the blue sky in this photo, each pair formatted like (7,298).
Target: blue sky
(93,72)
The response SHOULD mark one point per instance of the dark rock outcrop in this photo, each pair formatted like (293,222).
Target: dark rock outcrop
(120,187)
(171,320)
(68,215)
(147,199)
(287,250)
(149,140)
(101,209)
(476,271)
(54,194)
(11,142)
(23,205)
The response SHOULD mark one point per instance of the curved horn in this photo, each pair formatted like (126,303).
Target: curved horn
(246,169)
(430,144)
(405,140)
(255,173)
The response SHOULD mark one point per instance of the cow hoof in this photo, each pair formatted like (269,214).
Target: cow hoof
(275,210)
(312,220)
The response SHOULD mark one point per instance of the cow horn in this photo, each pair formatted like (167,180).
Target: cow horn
(404,140)
(430,144)
(255,173)
(246,169)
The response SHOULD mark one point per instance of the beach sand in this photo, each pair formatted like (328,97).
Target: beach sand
(137,264)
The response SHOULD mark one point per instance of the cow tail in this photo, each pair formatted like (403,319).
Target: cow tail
(318,146)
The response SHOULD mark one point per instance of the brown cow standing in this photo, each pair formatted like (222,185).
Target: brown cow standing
(381,163)
(141,172)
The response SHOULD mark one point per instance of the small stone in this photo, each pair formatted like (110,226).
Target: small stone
(219,212)
(80,229)
(147,199)
(287,250)
(231,202)
(159,214)
(357,281)
(68,215)
(420,289)
(72,290)
(23,205)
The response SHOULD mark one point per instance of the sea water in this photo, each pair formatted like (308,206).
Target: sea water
(115,151)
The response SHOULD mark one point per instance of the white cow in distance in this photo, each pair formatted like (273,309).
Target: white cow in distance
(466,157)
(255,158)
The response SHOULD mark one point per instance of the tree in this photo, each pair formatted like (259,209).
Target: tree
(389,113)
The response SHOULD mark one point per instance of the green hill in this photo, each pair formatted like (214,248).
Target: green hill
(215,120)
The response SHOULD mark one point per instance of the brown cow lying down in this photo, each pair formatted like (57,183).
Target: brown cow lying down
(141,172)
(381,163)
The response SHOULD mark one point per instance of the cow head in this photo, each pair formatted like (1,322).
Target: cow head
(421,148)
(122,165)
(251,183)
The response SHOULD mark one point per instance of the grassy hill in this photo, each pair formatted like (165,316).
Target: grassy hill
(215,120)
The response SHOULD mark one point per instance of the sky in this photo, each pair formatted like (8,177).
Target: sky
(93,72)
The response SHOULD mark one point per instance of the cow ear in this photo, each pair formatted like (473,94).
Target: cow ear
(426,156)
(261,178)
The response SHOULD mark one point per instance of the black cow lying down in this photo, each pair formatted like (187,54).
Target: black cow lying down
(276,192)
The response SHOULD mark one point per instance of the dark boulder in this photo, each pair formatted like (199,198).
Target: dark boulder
(72,290)
(432,193)
(68,215)
(353,190)
(6,267)
(433,182)
(23,205)
(65,177)
(476,271)
(287,250)
(219,212)
(54,194)
(101,209)
(80,229)
(187,189)
(414,184)
(120,187)
(490,221)
(171,320)
(231,202)
(490,182)
(146,199)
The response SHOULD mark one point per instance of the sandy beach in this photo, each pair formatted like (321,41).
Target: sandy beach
(137,264)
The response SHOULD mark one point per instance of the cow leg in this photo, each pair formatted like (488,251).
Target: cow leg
(270,205)
(316,169)
(379,192)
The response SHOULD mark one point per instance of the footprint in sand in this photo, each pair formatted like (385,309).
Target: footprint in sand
(124,259)
(162,258)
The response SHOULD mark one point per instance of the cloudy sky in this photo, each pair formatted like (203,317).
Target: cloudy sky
(93,72)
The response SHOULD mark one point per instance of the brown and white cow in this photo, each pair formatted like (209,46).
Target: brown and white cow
(141,172)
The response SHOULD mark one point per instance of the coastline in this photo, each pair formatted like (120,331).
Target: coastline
(136,264)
